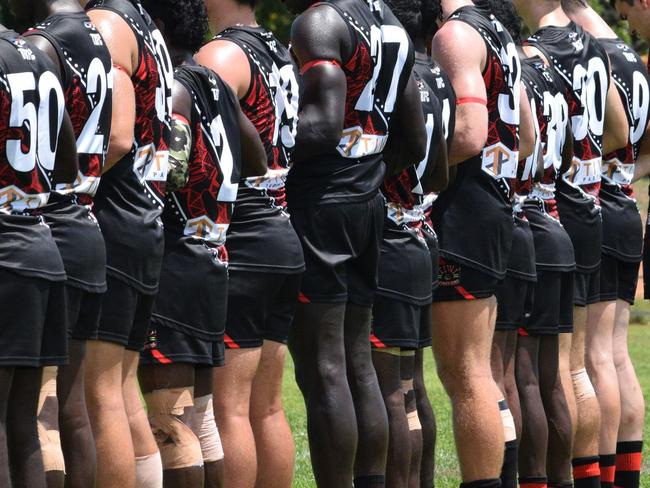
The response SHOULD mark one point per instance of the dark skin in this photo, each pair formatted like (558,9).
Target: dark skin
(321,34)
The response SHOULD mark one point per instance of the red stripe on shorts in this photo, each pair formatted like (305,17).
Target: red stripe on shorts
(466,295)
(160,357)
(302,298)
(376,342)
(230,344)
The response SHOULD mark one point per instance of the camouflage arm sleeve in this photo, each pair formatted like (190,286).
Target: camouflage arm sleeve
(179,154)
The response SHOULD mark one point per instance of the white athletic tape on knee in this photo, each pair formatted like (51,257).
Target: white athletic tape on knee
(414,420)
(407,385)
(205,428)
(149,471)
(582,386)
(48,435)
(179,447)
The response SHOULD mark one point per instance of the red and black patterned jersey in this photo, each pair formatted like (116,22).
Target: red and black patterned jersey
(479,197)
(87,79)
(203,207)
(633,84)
(31,114)
(550,116)
(583,68)
(131,195)
(377,73)
(271,103)
(403,192)
(502,75)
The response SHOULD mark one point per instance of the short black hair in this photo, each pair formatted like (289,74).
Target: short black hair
(250,3)
(185,21)
(409,14)
(505,13)
(431,14)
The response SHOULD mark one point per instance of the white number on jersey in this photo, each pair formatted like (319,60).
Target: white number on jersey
(556,111)
(228,189)
(640,105)
(591,86)
(283,82)
(91,140)
(42,139)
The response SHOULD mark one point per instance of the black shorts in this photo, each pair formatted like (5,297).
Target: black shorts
(167,346)
(397,323)
(618,279)
(515,300)
(460,282)
(432,242)
(24,305)
(84,310)
(125,317)
(552,311)
(586,288)
(341,247)
(261,307)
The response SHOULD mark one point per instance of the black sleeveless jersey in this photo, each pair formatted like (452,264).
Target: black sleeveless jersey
(203,207)
(31,114)
(478,199)
(622,228)
(633,84)
(131,195)
(403,192)
(87,77)
(377,74)
(261,237)
(582,67)
(88,83)
(446,96)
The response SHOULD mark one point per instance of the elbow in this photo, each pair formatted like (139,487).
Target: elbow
(119,146)
(254,167)
(418,150)
(66,174)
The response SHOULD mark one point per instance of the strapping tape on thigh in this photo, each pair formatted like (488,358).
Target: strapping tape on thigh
(582,386)
(171,401)
(414,420)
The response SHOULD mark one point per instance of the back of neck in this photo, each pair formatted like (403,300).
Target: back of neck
(593,23)
(232,14)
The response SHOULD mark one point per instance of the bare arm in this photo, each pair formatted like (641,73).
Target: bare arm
(617,128)
(320,34)
(66,164)
(526,126)
(227,60)
(124,50)
(461,54)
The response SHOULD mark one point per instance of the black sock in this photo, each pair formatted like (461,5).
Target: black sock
(370,481)
(560,484)
(531,482)
(628,464)
(509,470)
(494,483)
(607,470)
(586,472)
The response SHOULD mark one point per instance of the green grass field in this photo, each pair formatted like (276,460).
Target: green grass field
(447,466)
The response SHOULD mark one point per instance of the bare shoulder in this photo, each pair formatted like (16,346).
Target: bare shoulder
(118,36)
(229,61)
(457,45)
(319,33)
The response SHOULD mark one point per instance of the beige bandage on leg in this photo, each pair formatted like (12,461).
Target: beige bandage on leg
(205,428)
(179,447)
(48,425)
(149,471)
(582,386)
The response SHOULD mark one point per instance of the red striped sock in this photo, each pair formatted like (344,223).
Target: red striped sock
(607,470)
(628,464)
(586,472)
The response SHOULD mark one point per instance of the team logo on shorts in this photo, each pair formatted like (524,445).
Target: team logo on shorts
(448,273)
(152,340)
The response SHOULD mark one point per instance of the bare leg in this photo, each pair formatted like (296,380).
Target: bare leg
(372,420)
(588,427)
(602,372)
(179,441)
(414,424)
(232,396)
(462,341)
(273,439)
(387,365)
(76,435)
(107,413)
(428,421)
(214,470)
(26,461)
(317,346)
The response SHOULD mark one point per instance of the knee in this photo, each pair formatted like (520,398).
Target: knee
(326,375)
(633,413)
(395,407)
(50,443)
(179,446)
(205,428)
(462,382)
